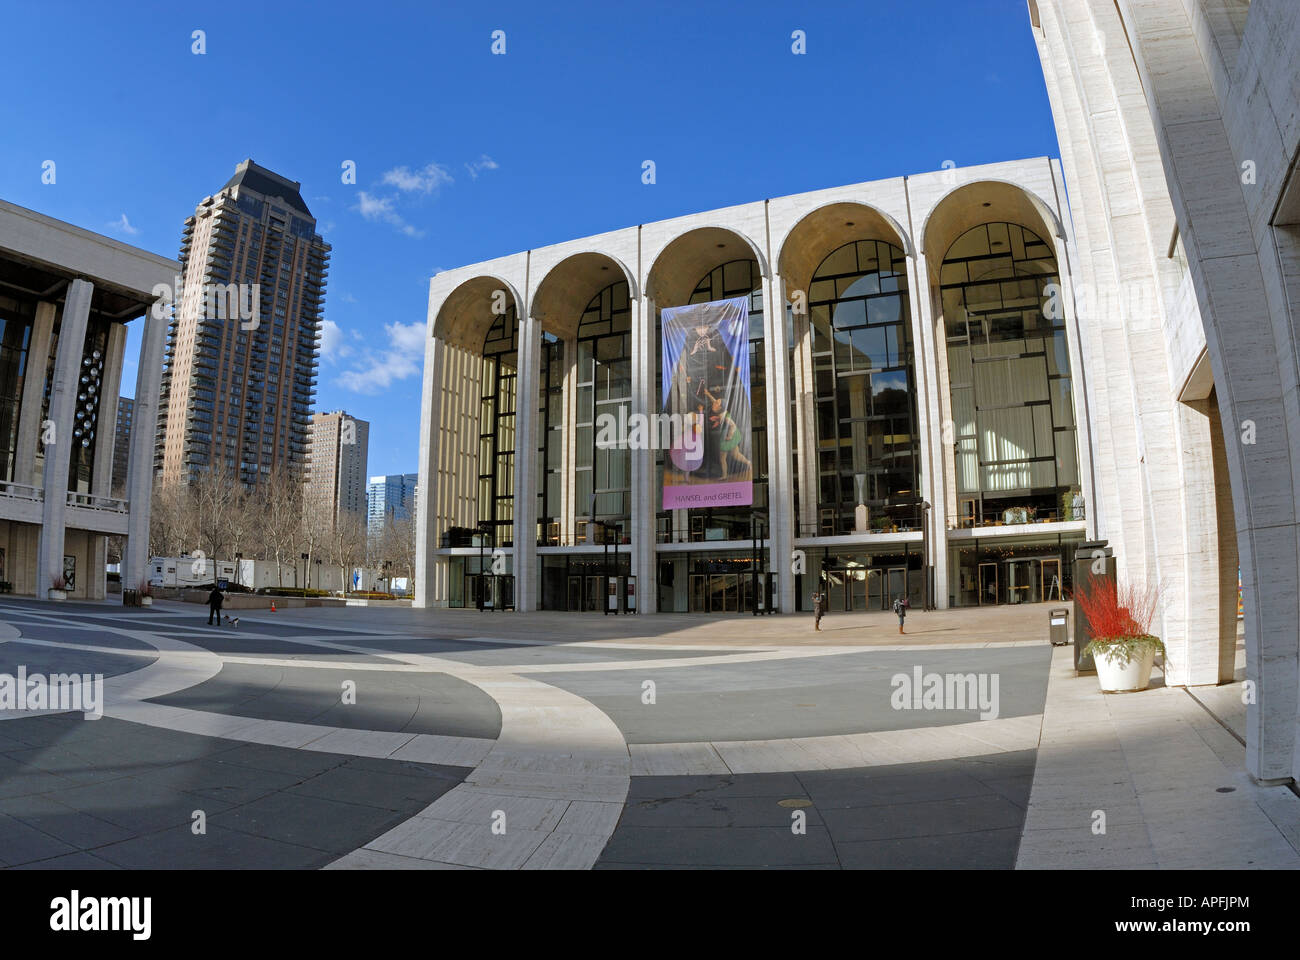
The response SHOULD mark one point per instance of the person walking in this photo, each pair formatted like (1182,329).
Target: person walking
(819,609)
(900,608)
(215,599)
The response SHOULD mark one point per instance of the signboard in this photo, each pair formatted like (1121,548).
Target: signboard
(706,393)
(613,594)
(631,594)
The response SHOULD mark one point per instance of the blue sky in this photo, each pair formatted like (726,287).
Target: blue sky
(463,155)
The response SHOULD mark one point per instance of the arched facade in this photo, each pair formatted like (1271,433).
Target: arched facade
(854,484)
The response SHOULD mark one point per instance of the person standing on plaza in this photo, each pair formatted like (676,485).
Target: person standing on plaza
(819,609)
(215,599)
(900,608)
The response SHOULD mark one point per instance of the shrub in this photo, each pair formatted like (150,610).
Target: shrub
(1120,619)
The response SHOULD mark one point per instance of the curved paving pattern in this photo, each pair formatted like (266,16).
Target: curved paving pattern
(503,753)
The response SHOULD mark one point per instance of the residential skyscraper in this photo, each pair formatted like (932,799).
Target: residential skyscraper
(122,442)
(245,336)
(390,496)
(336,466)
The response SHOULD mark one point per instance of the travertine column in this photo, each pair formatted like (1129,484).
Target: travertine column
(140,464)
(780,470)
(525,488)
(929,385)
(429,488)
(58,455)
(106,426)
(644,495)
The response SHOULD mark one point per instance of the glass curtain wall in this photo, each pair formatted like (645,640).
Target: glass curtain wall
(16,319)
(603,477)
(496,450)
(865,392)
(1009,371)
(736,278)
(550,434)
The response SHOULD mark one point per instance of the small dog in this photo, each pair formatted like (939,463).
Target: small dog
(234,622)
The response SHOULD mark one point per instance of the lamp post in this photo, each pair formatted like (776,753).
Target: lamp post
(239,557)
(304,573)
(482,577)
(928,603)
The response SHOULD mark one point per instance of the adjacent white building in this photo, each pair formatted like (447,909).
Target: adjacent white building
(66,296)
(1179,128)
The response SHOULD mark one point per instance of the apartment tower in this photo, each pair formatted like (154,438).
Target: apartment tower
(336,468)
(244,339)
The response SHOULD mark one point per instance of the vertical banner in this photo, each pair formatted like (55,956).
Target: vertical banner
(707,398)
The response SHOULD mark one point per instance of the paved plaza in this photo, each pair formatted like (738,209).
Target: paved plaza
(386,737)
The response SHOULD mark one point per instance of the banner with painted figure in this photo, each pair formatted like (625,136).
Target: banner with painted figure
(706,394)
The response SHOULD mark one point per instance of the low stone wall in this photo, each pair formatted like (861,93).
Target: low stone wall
(253,601)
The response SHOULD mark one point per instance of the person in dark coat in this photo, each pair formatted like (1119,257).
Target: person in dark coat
(900,608)
(215,599)
(819,609)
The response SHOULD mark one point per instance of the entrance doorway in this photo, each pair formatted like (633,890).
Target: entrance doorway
(988,583)
(897,585)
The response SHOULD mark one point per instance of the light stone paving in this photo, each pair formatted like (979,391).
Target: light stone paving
(1153,764)
(549,791)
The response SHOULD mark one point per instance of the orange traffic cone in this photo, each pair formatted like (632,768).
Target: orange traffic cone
(273,606)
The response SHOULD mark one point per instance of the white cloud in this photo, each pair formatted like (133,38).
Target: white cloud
(123,226)
(379,370)
(484,162)
(381,210)
(427,180)
(332,347)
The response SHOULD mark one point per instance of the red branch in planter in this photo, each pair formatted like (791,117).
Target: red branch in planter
(1117,612)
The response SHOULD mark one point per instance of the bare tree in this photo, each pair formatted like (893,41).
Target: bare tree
(347,545)
(217,493)
(395,547)
(280,516)
(171,520)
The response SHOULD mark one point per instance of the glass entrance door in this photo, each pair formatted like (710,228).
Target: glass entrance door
(875,595)
(856,585)
(897,584)
(1020,581)
(595,595)
(699,600)
(575,594)
(988,583)
(1051,580)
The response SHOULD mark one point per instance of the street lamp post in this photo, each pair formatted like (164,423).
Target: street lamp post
(304,573)
(926,568)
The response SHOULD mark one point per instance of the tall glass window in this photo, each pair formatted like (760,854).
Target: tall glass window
(496,450)
(864,388)
(1009,368)
(603,477)
(550,440)
(15,339)
(736,278)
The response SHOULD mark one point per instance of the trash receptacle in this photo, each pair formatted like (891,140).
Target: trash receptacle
(1058,627)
